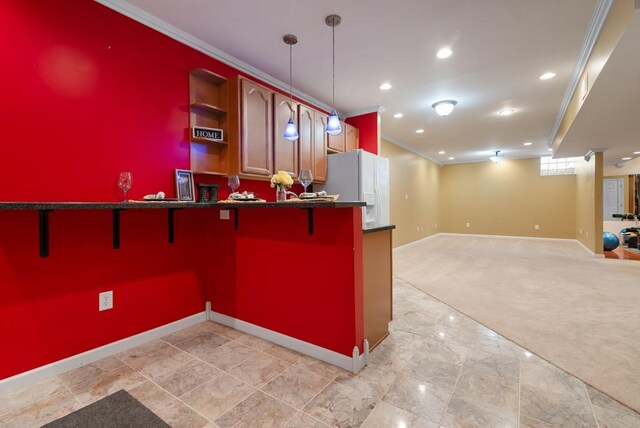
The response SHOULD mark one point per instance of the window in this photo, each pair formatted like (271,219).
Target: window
(561,166)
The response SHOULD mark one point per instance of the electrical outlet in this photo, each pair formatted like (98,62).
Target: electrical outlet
(417,228)
(436,225)
(105,301)
(406,196)
(468,224)
(536,227)
(224,214)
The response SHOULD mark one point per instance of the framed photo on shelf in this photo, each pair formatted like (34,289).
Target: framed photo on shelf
(184,185)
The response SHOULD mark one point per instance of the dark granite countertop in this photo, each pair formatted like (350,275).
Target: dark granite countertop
(174,204)
(379,229)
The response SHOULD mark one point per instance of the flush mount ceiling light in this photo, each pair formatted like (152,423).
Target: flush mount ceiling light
(636,153)
(528,143)
(496,158)
(451,158)
(548,75)
(444,53)
(398,115)
(506,112)
(291,131)
(385,86)
(419,131)
(441,152)
(626,158)
(444,107)
(333,124)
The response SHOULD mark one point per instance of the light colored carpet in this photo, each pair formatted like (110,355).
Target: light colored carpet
(552,297)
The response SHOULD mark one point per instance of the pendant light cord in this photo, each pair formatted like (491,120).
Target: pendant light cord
(291,80)
(333,86)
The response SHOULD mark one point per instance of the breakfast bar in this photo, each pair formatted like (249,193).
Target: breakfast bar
(288,272)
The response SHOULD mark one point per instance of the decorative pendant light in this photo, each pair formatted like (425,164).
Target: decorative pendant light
(291,131)
(333,124)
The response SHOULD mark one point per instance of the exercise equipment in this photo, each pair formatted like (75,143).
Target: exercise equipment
(610,241)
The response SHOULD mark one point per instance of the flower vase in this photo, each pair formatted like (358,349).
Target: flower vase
(281,194)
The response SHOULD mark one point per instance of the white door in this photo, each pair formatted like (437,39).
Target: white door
(613,197)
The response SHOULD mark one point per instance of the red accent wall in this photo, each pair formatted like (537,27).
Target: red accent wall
(87,93)
(367,124)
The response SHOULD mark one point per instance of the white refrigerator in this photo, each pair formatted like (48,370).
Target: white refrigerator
(360,176)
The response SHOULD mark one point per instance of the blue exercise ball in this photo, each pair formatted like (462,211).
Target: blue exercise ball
(610,241)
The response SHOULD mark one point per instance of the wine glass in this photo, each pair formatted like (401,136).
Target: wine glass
(233,182)
(305,178)
(125,181)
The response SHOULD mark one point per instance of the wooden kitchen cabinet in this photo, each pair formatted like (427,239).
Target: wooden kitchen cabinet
(352,135)
(256,130)
(320,147)
(337,143)
(285,152)
(377,279)
(306,130)
(313,142)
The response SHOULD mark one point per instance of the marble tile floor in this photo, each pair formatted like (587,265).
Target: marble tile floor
(437,368)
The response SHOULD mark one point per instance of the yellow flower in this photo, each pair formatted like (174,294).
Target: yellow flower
(282,178)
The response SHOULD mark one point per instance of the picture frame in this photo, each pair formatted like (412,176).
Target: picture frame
(184,185)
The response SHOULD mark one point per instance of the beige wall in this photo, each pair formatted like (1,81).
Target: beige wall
(507,198)
(589,203)
(414,189)
(610,34)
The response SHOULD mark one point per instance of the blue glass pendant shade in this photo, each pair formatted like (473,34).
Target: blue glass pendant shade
(333,124)
(291,131)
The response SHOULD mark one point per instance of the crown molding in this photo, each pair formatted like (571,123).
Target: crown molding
(411,149)
(595,27)
(374,109)
(155,23)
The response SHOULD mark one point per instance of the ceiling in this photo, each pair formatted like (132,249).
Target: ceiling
(610,115)
(500,48)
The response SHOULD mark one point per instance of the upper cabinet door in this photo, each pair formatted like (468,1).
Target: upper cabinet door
(337,143)
(285,152)
(320,147)
(307,134)
(256,139)
(352,137)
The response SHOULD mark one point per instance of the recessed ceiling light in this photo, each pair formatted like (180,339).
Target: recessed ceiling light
(548,75)
(444,53)
(626,158)
(507,112)
(528,143)
(451,158)
(441,152)
(398,115)
(636,153)
(385,86)
(550,149)
(419,131)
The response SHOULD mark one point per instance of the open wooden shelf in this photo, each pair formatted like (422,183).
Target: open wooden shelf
(210,108)
(208,102)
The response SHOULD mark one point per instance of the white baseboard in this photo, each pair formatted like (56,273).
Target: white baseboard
(353,364)
(477,235)
(412,243)
(41,373)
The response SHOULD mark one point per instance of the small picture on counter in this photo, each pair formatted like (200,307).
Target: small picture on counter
(184,185)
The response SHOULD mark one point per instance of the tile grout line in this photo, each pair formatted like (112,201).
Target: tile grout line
(519,391)
(451,396)
(593,411)
(150,379)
